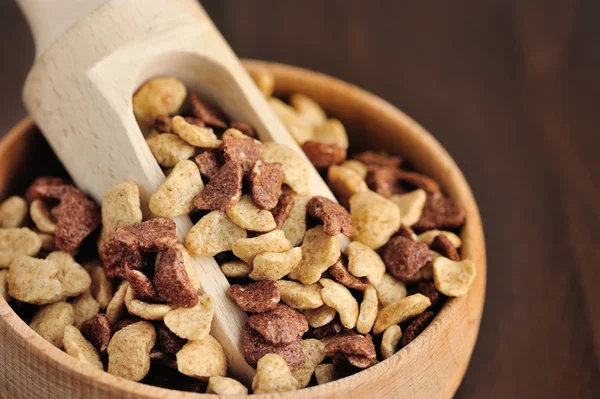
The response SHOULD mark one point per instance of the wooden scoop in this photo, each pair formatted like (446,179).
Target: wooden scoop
(91,56)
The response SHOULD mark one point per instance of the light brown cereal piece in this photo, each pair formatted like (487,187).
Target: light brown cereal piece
(169,149)
(294,225)
(120,208)
(101,287)
(299,128)
(85,307)
(345,182)
(308,109)
(375,218)
(368,311)
(13,212)
(147,311)
(171,280)
(247,248)
(223,190)
(274,265)
(295,168)
(116,306)
(314,352)
(51,320)
(331,132)
(34,281)
(266,179)
(193,323)
(175,196)
(300,296)
(236,269)
(264,80)
(249,216)
(389,340)
(321,316)
(214,233)
(129,351)
(4,285)
(273,375)
(360,168)
(40,214)
(319,251)
(17,241)
(340,298)
(364,262)
(453,278)
(97,330)
(189,268)
(428,236)
(256,297)
(411,205)
(198,136)
(73,277)
(77,346)
(324,373)
(323,155)
(397,312)
(157,97)
(202,359)
(390,289)
(48,241)
(225,386)
(241,149)
(334,217)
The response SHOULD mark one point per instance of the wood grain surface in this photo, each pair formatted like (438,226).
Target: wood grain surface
(511,89)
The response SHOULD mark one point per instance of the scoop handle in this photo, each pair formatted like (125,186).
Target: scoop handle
(49,19)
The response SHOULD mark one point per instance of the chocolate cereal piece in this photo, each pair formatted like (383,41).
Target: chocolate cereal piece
(97,330)
(194,121)
(141,285)
(323,155)
(208,162)
(330,329)
(242,150)
(116,258)
(284,207)
(266,179)
(153,235)
(255,347)
(163,123)
(383,180)
(442,244)
(404,257)
(416,327)
(77,217)
(361,362)
(339,271)
(222,191)
(121,324)
(417,180)
(47,188)
(281,325)
(206,113)
(171,280)
(170,342)
(406,231)
(256,297)
(244,128)
(335,218)
(440,212)
(427,288)
(371,158)
(354,344)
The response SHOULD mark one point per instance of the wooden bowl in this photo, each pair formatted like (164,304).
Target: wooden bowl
(432,366)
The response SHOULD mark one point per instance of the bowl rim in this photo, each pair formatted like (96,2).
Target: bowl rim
(474,232)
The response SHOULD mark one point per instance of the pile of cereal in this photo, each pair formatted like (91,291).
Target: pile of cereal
(317,311)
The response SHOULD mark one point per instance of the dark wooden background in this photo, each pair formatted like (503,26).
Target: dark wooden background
(512,89)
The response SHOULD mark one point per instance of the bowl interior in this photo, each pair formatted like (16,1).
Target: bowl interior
(372,124)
